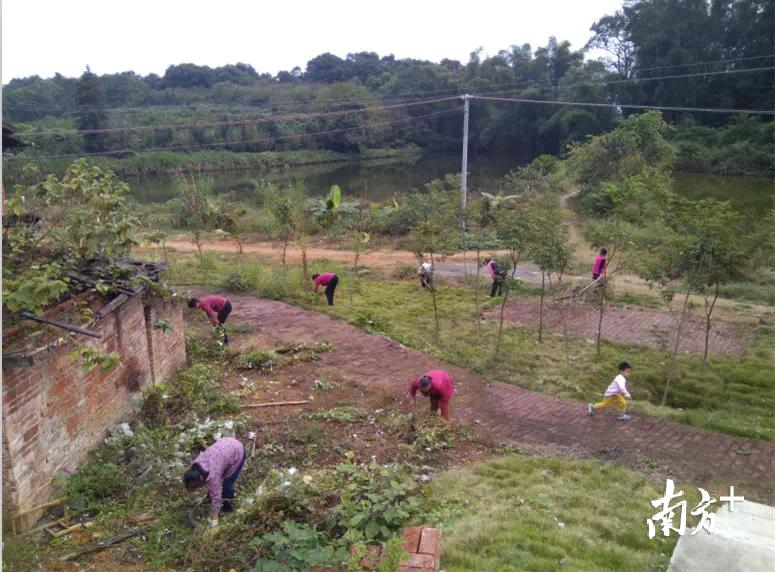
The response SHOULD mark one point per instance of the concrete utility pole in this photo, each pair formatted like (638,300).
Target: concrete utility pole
(464,169)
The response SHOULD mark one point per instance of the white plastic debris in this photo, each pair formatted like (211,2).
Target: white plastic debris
(292,471)
(126,429)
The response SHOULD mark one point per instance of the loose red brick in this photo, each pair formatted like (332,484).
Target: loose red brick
(430,541)
(411,539)
(419,562)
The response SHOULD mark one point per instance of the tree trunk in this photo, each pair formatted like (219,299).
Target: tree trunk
(304,267)
(708,314)
(600,316)
(435,306)
(514,262)
(541,311)
(676,345)
(500,323)
(285,246)
(354,277)
(476,293)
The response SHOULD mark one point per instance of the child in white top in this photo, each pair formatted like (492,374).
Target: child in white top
(615,394)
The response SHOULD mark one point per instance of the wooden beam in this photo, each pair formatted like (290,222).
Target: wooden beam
(101,545)
(112,306)
(274,404)
(68,327)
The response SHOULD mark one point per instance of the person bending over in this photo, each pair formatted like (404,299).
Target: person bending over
(329,280)
(437,385)
(218,467)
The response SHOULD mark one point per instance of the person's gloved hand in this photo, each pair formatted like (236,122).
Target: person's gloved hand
(212,529)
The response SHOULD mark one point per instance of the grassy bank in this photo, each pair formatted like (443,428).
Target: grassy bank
(170,162)
(731,395)
(521,513)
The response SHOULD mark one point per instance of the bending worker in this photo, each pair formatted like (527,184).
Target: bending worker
(218,467)
(329,280)
(217,309)
(497,276)
(439,386)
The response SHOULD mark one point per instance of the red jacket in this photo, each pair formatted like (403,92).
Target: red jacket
(211,305)
(599,266)
(442,385)
(323,280)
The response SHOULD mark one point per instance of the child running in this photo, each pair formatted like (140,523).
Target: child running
(615,394)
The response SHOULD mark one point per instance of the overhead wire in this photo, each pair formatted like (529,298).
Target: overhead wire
(627,105)
(249,141)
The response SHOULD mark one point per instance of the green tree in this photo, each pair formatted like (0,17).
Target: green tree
(550,250)
(52,229)
(91,111)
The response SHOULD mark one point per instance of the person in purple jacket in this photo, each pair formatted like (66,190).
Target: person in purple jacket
(218,467)
(329,280)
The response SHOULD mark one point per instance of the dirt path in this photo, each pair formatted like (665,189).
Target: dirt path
(630,326)
(514,415)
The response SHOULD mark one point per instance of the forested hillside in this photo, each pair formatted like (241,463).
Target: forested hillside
(676,53)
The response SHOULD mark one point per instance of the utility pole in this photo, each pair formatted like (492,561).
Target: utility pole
(464,169)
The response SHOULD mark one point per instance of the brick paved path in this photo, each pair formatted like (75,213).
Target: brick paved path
(510,414)
(628,325)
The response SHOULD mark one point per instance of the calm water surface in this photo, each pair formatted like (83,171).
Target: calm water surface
(376,180)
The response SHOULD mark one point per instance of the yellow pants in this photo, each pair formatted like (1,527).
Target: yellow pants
(617,400)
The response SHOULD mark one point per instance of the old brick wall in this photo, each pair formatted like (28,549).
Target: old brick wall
(54,413)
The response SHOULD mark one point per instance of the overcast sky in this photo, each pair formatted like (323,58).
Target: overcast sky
(47,36)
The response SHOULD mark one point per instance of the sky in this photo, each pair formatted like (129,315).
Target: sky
(42,37)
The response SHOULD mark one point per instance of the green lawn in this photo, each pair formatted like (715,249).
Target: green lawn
(732,395)
(519,513)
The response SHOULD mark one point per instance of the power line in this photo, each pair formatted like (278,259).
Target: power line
(245,142)
(626,105)
(241,122)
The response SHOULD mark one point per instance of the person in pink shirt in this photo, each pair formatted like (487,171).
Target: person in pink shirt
(329,280)
(497,275)
(598,269)
(217,309)
(218,467)
(439,386)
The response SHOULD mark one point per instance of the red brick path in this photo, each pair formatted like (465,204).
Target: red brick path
(511,414)
(628,325)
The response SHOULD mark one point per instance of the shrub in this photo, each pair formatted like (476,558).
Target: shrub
(375,501)
(297,547)
(95,482)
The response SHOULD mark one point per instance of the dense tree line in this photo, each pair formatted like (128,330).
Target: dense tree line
(646,39)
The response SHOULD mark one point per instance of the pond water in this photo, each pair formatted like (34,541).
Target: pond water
(376,180)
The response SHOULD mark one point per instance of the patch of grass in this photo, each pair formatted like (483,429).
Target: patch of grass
(256,359)
(521,513)
(759,293)
(343,414)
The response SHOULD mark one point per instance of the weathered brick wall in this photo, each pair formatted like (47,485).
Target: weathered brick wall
(54,413)
(167,351)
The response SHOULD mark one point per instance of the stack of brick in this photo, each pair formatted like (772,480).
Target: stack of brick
(421,542)
(424,547)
